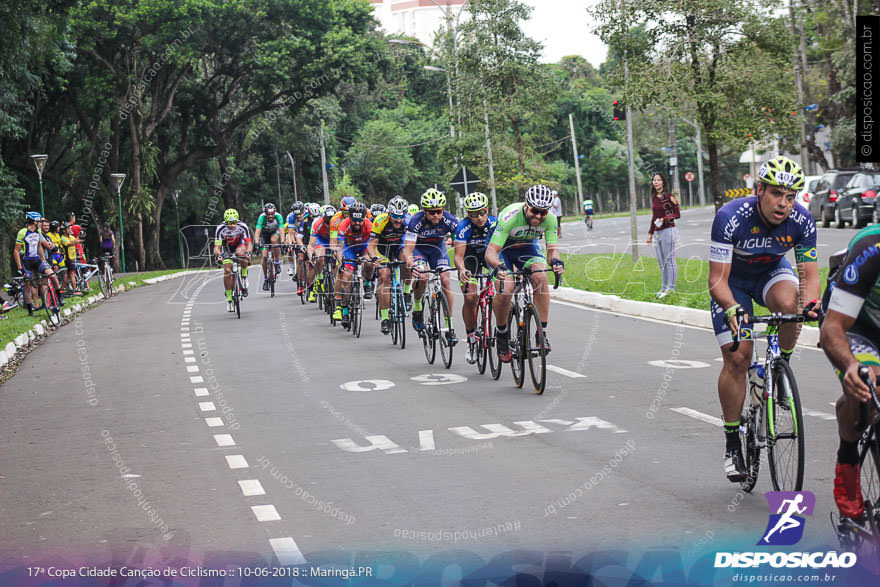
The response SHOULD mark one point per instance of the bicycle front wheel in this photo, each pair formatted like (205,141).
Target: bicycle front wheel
(104,283)
(236,294)
(400,318)
(869,462)
(484,330)
(111,282)
(357,309)
(444,323)
(428,334)
(536,352)
(751,453)
(785,430)
(516,331)
(52,305)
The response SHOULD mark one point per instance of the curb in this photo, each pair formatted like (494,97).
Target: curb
(809,336)
(42,330)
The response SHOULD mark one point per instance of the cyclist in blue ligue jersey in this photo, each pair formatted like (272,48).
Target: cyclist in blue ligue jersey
(471,238)
(425,244)
(750,238)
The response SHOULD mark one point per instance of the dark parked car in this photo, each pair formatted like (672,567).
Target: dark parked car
(855,205)
(823,203)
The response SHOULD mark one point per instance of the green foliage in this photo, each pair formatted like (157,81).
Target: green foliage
(344,187)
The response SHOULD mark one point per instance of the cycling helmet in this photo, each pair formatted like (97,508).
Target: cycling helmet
(298,207)
(314,210)
(782,171)
(231,215)
(377,209)
(54,225)
(413,208)
(269,208)
(433,198)
(357,212)
(476,201)
(540,197)
(347,202)
(329,211)
(397,206)
(33,216)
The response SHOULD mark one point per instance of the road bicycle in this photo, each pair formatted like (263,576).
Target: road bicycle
(107,281)
(773,420)
(397,306)
(588,220)
(865,532)
(301,272)
(50,296)
(326,286)
(236,279)
(270,267)
(84,273)
(356,303)
(15,289)
(484,335)
(524,327)
(437,325)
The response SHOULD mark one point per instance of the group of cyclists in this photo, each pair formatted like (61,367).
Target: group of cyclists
(52,249)
(749,240)
(415,235)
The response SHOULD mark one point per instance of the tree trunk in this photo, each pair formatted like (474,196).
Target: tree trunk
(714,171)
(153,251)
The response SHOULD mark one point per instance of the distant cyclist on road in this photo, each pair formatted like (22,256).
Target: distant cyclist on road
(750,237)
(353,236)
(850,337)
(514,246)
(269,232)
(233,237)
(588,214)
(471,238)
(293,221)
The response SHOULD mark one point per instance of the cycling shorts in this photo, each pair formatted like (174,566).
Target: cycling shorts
(321,241)
(746,290)
(31,265)
(520,256)
(350,253)
(388,252)
(433,256)
(266,237)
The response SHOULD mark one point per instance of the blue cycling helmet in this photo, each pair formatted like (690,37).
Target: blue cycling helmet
(33,216)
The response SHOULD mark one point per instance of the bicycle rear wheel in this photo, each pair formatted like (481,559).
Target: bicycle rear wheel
(357,309)
(302,280)
(103,283)
(534,345)
(111,282)
(428,334)
(751,453)
(400,317)
(785,430)
(517,346)
(444,330)
(869,461)
(52,304)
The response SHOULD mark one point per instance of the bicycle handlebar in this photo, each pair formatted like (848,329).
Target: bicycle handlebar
(526,272)
(774,319)
(865,374)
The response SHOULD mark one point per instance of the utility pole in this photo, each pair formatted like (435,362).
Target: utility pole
(489,153)
(577,164)
(278,179)
(293,171)
(633,204)
(673,157)
(324,167)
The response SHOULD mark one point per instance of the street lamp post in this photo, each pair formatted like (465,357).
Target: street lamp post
(40,163)
(117,179)
(176,196)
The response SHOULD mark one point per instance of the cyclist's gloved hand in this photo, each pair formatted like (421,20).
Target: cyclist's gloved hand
(730,318)
(812,310)
(558,265)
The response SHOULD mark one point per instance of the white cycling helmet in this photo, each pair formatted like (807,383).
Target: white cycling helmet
(314,210)
(540,197)
(397,206)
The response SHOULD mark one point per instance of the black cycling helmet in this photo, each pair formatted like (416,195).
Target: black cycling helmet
(54,225)
(357,212)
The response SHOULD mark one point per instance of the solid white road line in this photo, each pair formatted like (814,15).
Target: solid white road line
(237,462)
(287,551)
(565,372)
(224,440)
(251,487)
(699,416)
(265,513)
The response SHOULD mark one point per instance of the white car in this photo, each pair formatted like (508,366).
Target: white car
(803,196)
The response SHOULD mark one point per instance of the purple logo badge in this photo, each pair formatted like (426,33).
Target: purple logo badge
(787,511)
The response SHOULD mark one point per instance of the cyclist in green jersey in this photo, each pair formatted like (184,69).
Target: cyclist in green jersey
(268,231)
(514,246)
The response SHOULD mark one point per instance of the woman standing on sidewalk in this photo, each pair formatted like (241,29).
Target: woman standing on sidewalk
(665,210)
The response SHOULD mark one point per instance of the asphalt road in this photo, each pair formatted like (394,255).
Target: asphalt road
(278,439)
(613,235)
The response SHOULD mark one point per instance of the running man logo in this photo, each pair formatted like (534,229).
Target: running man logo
(786,524)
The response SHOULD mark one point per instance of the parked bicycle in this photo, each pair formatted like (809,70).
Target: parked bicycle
(437,321)
(773,420)
(856,535)
(526,335)
(84,274)
(107,281)
(50,297)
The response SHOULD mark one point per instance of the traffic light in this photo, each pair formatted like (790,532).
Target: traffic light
(619,110)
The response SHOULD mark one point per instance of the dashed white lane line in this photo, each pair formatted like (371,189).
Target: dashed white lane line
(251,487)
(214,422)
(224,440)
(287,551)
(186,345)
(201,391)
(188,351)
(192,368)
(565,372)
(818,414)
(237,462)
(197,379)
(207,406)
(699,416)
(265,513)
(189,359)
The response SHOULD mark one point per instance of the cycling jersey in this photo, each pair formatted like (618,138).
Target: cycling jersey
(513,229)
(855,291)
(752,248)
(476,237)
(385,231)
(69,247)
(232,236)
(588,206)
(321,231)
(30,243)
(424,233)
(351,238)
(269,224)
(335,222)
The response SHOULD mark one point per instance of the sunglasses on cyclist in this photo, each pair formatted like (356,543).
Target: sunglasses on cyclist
(539,212)
(435,211)
(478,213)
(397,216)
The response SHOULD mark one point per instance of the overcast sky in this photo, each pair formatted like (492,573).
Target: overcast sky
(564,28)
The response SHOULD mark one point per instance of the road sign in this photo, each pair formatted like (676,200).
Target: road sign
(465,182)
(737,193)
(689,176)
